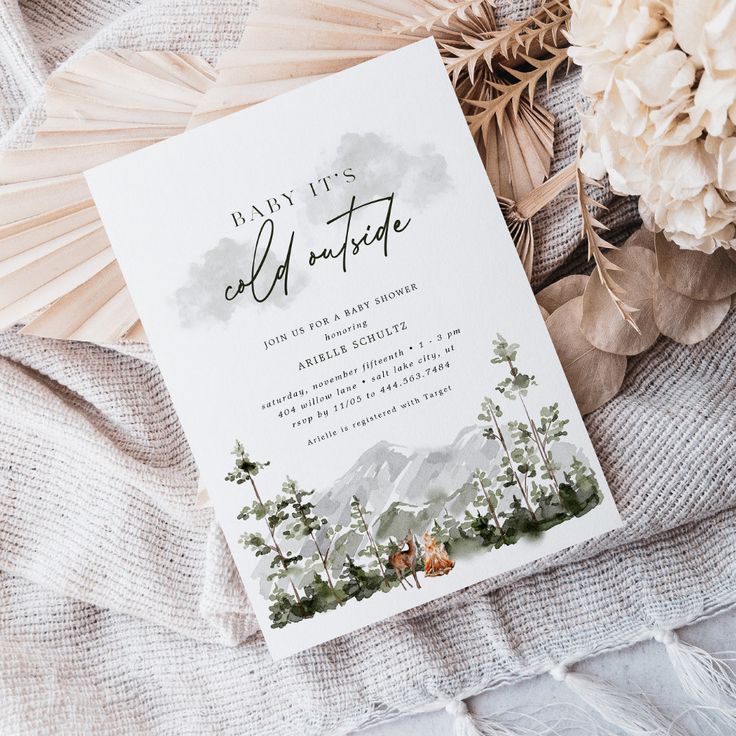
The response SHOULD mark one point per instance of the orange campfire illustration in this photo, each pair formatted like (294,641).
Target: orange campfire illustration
(436,560)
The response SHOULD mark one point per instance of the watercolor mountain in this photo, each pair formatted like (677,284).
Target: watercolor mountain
(405,489)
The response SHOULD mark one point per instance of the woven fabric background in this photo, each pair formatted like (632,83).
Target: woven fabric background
(120,609)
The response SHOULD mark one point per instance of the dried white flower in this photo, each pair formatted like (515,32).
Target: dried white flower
(661,78)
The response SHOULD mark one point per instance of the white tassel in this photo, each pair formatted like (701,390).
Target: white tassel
(632,713)
(466,724)
(705,678)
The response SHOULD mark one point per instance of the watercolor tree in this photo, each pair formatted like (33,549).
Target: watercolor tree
(529,489)
(273,513)
(306,524)
(359,524)
(540,500)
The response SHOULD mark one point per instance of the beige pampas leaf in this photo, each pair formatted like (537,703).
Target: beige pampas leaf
(54,253)
(605,267)
(594,376)
(696,274)
(602,324)
(686,320)
(508,95)
(517,37)
(560,292)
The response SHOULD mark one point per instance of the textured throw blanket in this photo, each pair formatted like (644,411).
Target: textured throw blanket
(120,608)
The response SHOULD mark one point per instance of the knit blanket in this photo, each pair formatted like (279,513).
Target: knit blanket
(120,608)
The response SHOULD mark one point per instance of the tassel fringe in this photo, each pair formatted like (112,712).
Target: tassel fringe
(630,712)
(548,721)
(464,723)
(708,680)
(524,724)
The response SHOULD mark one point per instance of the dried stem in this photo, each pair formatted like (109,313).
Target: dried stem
(596,243)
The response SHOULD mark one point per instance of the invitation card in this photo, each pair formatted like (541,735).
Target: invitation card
(352,347)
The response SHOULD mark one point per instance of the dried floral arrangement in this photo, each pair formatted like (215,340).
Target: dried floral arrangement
(660,78)
(678,283)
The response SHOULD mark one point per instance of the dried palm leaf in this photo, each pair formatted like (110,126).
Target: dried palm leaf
(518,160)
(695,274)
(594,376)
(509,94)
(686,320)
(527,36)
(443,11)
(601,323)
(54,253)
(301,40)
(518,214)
(521,232)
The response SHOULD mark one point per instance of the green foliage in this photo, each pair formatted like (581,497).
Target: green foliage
(516,384)
(487,495)
(543,495)
(518,522)
(284,609)
(503,351)
(580,491)
(358,514)
(245,468)
(360,526)
(305,521)
(489,410)
(551,427)
(255,542)
(483,528)
(359,582)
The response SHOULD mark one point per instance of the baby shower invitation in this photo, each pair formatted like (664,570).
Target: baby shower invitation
(353,349)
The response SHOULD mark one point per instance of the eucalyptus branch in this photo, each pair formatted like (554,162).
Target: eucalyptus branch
(505,448)
(275,545)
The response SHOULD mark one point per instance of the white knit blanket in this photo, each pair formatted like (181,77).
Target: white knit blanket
(120,608)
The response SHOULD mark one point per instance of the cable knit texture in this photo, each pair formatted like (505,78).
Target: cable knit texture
(120,608)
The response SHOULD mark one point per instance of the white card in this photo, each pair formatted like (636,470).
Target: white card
(324,278)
